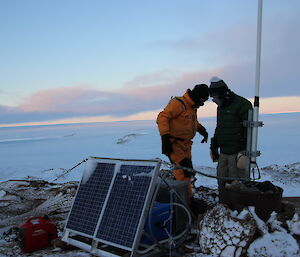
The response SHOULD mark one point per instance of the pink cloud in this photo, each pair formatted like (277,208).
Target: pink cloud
(50,99)
(138,97)
(70,99)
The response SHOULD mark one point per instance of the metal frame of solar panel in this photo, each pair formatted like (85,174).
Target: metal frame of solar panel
(111,204)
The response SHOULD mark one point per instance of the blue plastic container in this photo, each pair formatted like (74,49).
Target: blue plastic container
(160,223)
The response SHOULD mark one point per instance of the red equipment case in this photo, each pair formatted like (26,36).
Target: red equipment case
(36,233)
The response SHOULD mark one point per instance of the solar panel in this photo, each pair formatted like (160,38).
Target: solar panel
(90,198)
(112,201)
(125,204)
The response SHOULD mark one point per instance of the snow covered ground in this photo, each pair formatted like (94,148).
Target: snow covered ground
(47,152)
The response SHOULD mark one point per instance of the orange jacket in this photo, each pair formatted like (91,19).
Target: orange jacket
(178,119)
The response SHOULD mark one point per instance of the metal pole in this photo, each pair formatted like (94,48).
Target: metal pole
(249,142)
(257,83)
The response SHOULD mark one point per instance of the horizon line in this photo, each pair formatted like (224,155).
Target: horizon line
(49,123)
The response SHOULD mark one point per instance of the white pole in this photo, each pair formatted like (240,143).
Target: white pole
(257,82)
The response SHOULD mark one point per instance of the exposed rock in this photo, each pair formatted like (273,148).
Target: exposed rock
(286,174)
(207,195)
(126,139)
(222,234)
(25,199)
(252,187)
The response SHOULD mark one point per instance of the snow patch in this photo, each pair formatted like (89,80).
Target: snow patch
(89,169)
(277,244)
(294,224)
(143,174)
(129,137)
(2,193)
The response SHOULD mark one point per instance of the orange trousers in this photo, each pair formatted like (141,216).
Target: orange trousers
(181,150)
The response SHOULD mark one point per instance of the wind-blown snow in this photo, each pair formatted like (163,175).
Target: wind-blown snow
(30,139)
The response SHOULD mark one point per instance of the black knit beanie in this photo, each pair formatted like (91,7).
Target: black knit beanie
(199,91)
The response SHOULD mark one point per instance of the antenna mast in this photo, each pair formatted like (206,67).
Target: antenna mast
(256,124)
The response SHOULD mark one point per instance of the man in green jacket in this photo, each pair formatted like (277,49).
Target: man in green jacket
(230,135)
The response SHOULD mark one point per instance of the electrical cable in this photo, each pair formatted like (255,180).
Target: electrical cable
(167,243)
(162,242)
(67,171)
(174,167)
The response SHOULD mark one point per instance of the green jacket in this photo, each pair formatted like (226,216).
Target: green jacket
(230,134)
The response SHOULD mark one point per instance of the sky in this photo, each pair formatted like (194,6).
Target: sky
(85,61)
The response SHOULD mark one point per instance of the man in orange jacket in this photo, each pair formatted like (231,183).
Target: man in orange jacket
(177,125)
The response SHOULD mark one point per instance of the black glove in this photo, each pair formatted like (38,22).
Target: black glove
(214,153)
(203,133)
(166,145)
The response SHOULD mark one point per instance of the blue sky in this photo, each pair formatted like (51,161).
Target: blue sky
(117,60)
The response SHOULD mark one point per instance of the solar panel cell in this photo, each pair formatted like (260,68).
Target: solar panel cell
(122,213)
(90,198)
